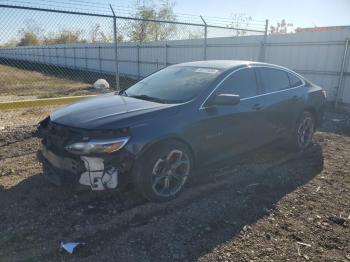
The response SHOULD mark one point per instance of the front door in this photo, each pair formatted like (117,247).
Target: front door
(224,130)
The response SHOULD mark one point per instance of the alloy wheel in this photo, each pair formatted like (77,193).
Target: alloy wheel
(305,132)
(170,173)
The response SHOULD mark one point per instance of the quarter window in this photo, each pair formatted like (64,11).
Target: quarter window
(294,80)
(242,83)
(273,80)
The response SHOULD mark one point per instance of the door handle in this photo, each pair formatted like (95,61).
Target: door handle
(257,107)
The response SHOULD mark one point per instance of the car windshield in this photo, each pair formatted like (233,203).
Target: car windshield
(173,84)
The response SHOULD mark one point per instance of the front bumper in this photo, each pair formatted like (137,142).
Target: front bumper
(80,173)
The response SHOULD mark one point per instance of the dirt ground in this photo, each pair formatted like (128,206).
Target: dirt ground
(267,205)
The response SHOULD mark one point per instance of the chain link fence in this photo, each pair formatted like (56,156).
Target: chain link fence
(48,53)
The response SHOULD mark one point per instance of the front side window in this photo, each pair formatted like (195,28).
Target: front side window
(242,83)
(173,84)
(273,80)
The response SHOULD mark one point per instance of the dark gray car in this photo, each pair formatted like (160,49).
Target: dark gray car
(157,131)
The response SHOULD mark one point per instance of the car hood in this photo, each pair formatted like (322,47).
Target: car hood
(104,111)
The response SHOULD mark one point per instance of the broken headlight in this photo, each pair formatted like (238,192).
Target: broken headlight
(97,146)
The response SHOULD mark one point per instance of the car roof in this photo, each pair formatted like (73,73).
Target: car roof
(220,64)
(230,64)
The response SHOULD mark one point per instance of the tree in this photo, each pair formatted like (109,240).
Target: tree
(28,38)
(30,33)
(120,37)
(240,20)
(9,44)
(98,36)
(281,28)
(143,30)
(65,37)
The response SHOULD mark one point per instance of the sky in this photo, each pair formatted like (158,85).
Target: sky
(300,13)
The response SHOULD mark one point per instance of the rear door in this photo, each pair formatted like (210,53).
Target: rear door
(281,98)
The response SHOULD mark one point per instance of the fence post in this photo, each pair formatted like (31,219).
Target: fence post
(116,50)
(138,61)
(57,60)
(99,59)
(263,43)
(205,38)
(65,56)
(86,58)
(166,54)
(341,75)
(50,56)
(43,60)
(74,58)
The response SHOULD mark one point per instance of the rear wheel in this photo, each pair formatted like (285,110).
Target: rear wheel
(304,131)
(163,171)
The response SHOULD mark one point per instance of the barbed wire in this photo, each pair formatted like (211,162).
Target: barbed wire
(100,8)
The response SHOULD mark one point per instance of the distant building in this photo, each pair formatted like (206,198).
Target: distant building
(322,29)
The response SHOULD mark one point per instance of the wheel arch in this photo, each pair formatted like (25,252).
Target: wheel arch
(149,146)
(313,111)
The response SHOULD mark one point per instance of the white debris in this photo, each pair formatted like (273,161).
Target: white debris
(101,84)
(96,177)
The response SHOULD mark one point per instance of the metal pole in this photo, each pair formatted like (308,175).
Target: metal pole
(205,38)
(116,50)
(263,43)
(99,59)
(57,60)
(74,57)
(341,75)
(86,58)
(138,61)
(166,54)
(65,56)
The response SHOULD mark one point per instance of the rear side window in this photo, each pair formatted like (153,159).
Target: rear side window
(273,80)
(294,80)
(242,83)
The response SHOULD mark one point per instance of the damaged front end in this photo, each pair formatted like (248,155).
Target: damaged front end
(95,159)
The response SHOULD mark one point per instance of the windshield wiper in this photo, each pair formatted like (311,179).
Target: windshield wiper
(149,98)
(122,92)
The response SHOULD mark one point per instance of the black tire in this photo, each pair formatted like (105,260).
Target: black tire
(303,133)
(162,171)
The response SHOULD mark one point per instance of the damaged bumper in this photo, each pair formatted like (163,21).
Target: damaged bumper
(81,172)
(73,166)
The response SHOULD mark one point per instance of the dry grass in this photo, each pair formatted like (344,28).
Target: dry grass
(24,116)
(18,84)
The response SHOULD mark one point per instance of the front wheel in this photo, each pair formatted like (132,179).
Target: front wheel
(162,171)
(304,131)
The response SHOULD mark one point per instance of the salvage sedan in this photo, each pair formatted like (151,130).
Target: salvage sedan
(156,132)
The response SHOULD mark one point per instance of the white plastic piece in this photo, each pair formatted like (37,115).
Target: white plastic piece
(95,177)
(101,84)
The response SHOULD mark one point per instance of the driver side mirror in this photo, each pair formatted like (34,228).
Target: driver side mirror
(226,100)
